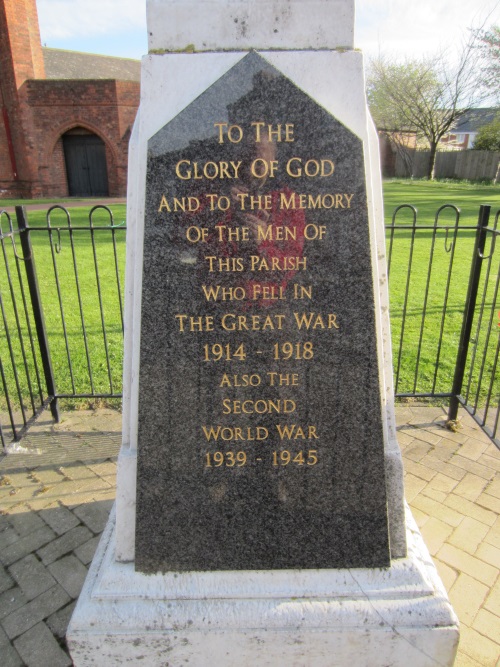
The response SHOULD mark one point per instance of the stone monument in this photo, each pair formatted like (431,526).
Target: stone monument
(260,516)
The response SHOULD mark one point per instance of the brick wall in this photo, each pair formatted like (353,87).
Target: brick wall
(104,107)
(40,111)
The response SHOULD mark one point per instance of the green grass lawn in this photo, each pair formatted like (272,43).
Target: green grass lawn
(88,369)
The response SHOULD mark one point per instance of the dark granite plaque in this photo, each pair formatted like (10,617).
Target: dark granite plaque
(260,433)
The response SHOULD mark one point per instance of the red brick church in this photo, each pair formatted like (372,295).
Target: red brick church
(66,116)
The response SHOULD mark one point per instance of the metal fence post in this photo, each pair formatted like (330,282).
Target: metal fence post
(470,306)
(37,309)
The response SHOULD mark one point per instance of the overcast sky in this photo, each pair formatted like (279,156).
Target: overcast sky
(405,27)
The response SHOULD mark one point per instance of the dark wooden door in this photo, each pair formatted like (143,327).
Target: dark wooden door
(85,157)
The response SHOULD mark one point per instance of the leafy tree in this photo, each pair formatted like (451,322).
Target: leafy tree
(488,137)
(424,96)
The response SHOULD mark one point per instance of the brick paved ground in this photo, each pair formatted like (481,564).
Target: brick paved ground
(57,489)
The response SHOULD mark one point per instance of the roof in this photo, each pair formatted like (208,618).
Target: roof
(60,64)
(474,119)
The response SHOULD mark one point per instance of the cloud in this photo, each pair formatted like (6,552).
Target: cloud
(418,28)
(65,19)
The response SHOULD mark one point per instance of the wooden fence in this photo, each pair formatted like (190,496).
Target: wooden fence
(471,165)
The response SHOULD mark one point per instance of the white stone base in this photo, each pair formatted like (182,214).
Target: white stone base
(345,618)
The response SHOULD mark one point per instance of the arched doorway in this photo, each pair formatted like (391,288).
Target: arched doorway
(85,159)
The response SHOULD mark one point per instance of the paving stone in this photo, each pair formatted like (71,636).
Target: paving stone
(438,510)
(59,518)
(94,515)
(39,648)
(26,545)
(490,462)
(444,450)
(469,535)
(70,573)
(425,437)
(488,553)
(86,551)
(11,600)
(105,496)
(433,462)
(473,449)
(8,536)
(439,496)
(467,596)
(448,574)
(5,580)
(418,470)
(26,523)
(413,486)
(493,487)
(58,622)
(489,502)
(480,648)
(492,603)
(10,657)
(405,438)
(472,466)
(32,576)
(47,476)
(417,450)
(106,469)
(420,517)
(493,537)
(443,483)
(488,624)
(466,563)
(35,611)
(435,533)
(463,660)
(21,495)
(466,507)
(470,487)
(64,544)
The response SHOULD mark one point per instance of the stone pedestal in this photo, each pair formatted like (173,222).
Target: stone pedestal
(216,594)
(398,616)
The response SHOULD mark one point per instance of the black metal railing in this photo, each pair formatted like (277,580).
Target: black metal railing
(62,312)
(445,309)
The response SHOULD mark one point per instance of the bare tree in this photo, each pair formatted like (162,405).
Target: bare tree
(489,44)
(425,96)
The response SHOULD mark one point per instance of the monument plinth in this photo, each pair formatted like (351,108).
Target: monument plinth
(260,514)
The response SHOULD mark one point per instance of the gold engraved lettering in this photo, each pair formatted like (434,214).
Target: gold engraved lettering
(232,234)
(273,133)
(254,202)
(316,321)
(324,201)
(188,323)
(232,433)
(268,292)
(302,292)
(296,167)
(245,380)
(283,379)
(260,407)
(233,322)
(284,457)
(258,263)
(225,265)
(295,432)
(187,170)
(219,293)
(234,132)
(272,233)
